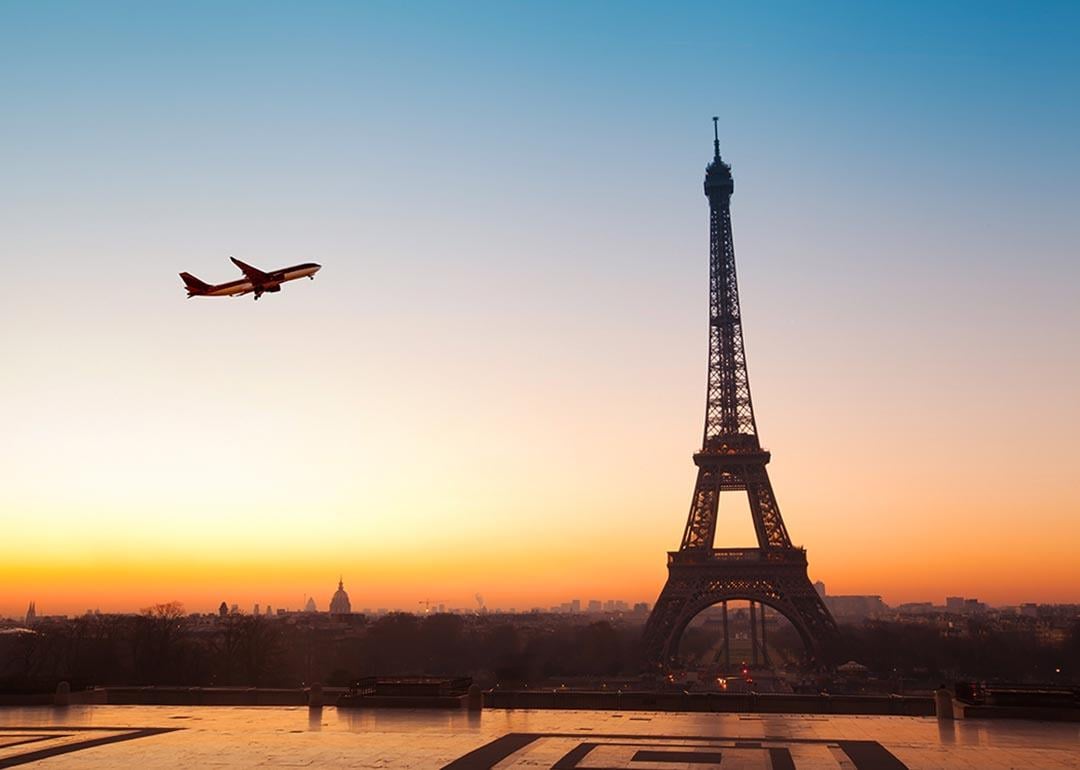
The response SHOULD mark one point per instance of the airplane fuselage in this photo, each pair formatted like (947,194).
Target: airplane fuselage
(278,277)
(254,281)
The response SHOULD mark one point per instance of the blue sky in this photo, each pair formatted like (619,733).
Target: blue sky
(506,199)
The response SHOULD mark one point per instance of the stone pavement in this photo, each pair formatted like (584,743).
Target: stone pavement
(165,736)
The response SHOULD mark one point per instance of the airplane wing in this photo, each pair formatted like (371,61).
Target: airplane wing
(253,274)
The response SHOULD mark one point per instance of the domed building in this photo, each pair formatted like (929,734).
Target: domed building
(340,604)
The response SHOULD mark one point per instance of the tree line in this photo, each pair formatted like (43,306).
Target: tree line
(164,646)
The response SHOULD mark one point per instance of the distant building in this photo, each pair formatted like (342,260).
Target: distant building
(916,608)
(339,604)
(310,605)
(223,609)
(974,607)
(820,588)
(954,604)
(855,607)
(595,606)
(575,606)
(31,613)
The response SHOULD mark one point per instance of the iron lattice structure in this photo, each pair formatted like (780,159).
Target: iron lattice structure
(731,459)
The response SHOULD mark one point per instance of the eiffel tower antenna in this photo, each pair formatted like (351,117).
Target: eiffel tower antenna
(732,459)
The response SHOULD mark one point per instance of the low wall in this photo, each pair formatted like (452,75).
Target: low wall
(27,699)
(771,703)
(747,703)
(1039,713)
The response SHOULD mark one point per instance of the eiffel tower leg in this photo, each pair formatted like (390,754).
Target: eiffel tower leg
(657,643)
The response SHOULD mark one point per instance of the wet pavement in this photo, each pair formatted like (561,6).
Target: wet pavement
(166,736)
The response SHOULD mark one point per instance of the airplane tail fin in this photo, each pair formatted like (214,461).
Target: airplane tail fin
(193,285)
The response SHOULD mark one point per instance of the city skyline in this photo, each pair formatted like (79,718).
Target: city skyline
(494,386)
(582,604)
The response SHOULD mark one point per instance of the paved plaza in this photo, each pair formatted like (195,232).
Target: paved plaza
(168,737)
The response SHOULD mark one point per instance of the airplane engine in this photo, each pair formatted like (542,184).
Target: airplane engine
(272,287)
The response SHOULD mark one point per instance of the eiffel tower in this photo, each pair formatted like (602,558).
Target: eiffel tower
(731,459)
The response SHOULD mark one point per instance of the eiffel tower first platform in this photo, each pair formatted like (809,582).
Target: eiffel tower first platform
(731,459)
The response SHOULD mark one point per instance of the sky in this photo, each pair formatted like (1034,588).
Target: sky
(496,382)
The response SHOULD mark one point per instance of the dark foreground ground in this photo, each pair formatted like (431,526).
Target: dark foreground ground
(170,736)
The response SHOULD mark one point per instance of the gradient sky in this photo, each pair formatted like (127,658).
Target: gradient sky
(496,383)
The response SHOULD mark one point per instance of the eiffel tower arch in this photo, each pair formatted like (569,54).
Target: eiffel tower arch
(732,460)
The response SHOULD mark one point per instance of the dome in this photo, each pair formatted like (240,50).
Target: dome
(340,605)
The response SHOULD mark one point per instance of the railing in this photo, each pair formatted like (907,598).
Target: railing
(732,444)
(704,555)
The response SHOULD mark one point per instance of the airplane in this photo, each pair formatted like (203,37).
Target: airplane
(254,280)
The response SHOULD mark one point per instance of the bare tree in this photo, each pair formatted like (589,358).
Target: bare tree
(158,642)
